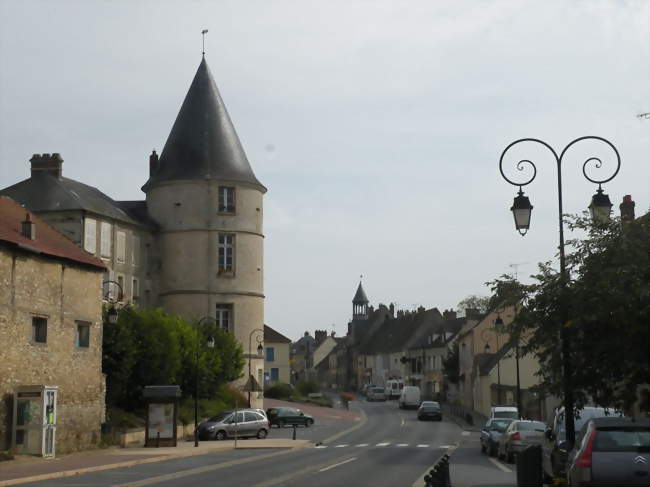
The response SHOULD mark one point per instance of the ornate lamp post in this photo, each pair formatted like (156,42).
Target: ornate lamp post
(600,209)
(260,354)
(111,313)
(210,344)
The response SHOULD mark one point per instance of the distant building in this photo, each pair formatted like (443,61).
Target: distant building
(194,245)
(276,357)
(50,329)
(302,357)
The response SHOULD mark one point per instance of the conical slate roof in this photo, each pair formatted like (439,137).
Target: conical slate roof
(203,143)
(360,297)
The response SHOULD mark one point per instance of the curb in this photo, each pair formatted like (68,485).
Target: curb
(131,463)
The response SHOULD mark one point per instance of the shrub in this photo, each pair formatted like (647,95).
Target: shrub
(306,387)
(279,390)
(321,401)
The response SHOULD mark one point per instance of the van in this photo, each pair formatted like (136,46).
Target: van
(394,388)
(509,412)
(375,394)
(410,397)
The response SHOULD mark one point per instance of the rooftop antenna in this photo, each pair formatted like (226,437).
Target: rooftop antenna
(516,266)
(643,115)
(203,33)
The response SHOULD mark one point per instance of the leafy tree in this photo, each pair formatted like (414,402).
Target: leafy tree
(607,303)
(451,365)
(474,301)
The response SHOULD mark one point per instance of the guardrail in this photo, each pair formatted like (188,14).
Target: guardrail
(439,474)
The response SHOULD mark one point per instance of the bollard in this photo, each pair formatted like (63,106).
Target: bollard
(294,431)
(529,467)
(158,440)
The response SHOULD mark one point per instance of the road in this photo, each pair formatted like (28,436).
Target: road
(392,448)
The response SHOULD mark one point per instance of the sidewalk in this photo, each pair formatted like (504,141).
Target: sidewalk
(466,419)
(33,469)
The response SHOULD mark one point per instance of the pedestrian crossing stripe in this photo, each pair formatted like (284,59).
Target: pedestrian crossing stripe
(320,446)
(340,446)
(382,444)
(423,446)
(362,444)
(402,444)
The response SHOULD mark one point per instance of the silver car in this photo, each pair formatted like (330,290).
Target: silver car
(611,451)
(376,394)
(242,423)
(519,435)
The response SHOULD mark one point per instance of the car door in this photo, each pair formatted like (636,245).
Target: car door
(250,423)
(236,425)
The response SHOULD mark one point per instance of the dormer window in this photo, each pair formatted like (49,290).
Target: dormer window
(226,199)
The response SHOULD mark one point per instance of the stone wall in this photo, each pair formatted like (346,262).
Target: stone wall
(31,285)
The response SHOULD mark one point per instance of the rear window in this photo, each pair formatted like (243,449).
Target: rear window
(632,439)
(506,414)
(531,426)
(378,390)
(500,425)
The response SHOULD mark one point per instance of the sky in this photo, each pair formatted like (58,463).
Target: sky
(377,126)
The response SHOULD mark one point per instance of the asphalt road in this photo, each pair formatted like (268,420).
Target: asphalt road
(391,449)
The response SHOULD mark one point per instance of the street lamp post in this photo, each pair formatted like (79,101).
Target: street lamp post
(600,209)
(111,313)
(260,354)
(210,344)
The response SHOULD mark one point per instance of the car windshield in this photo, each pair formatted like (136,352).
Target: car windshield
(500,425)
(430,405)
(584,416)
(506,414)
(531,426)
(378,390)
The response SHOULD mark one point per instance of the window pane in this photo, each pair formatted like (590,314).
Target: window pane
(107,237)
(121,246)
(83,335)
(90,235)
(39,330)
(275,374)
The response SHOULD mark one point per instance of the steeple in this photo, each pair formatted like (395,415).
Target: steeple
(203,143)
(360,304)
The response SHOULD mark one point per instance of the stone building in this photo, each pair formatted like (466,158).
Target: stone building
(276,357)
(50,325)
(194,245)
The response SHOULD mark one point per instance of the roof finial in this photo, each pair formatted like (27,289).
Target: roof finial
(203,33)
(361,277)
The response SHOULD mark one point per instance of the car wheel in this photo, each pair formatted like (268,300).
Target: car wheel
(261,434)
(220,435)
(308,423)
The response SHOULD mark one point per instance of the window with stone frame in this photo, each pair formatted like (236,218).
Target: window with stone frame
(270,354)
(224,316)
(121,247)
(275,374)
(226,199)
(135,250)
(82,334)
(120,288)
(39,329)
(106,239)
(226,252)
(90,235)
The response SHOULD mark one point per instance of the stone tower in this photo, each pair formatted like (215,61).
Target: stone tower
(360,304)
(208,203)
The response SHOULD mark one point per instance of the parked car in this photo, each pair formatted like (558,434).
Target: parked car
(491,433)
(243,423)
(410,397)
(376,394)
(554,444)
(365,388)
(430,410)
(611,451)
(282,416)
(394,388)
(504,412)
(519,435)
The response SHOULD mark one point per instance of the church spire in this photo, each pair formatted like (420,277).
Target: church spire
(203,143)
(360,304)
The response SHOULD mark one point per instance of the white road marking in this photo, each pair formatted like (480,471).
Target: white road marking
(362,444)
(337,464)
(446,446)
(499,465)
(402,444)
(341,446)
(466,433)
(423,446)
(320,446)
(382,444)
(403,421)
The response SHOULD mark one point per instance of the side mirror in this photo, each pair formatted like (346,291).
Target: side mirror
(301,413)
(549,434)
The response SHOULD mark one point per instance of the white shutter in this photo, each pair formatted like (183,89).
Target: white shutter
(90,235)
(107,237)
(121,246)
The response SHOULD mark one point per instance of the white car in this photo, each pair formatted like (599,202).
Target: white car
(510,412)
(376,394)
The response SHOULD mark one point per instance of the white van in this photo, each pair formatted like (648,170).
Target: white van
(510,412)
(410,397)
(394,388)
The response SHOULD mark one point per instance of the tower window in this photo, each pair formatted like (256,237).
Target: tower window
(226,199)
(226,252)
(224,316)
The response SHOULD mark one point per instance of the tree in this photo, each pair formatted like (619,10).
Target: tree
(607,301)
(451,365)
(474,301)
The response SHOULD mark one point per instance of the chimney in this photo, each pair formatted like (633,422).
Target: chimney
(47,163)
(28,229)
(320,336)
(627,208)
(449,314)
(391,308)
(153,163)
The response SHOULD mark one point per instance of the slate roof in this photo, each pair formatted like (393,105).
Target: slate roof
(138,211)
(397,334)
(203,143)
(48,241)
(452,326)
(270,335)
(360,296)
(44,192)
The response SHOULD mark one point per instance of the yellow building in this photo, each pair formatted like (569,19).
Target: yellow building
(276,356)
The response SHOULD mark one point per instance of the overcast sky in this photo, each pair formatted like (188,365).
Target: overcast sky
(376,125)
